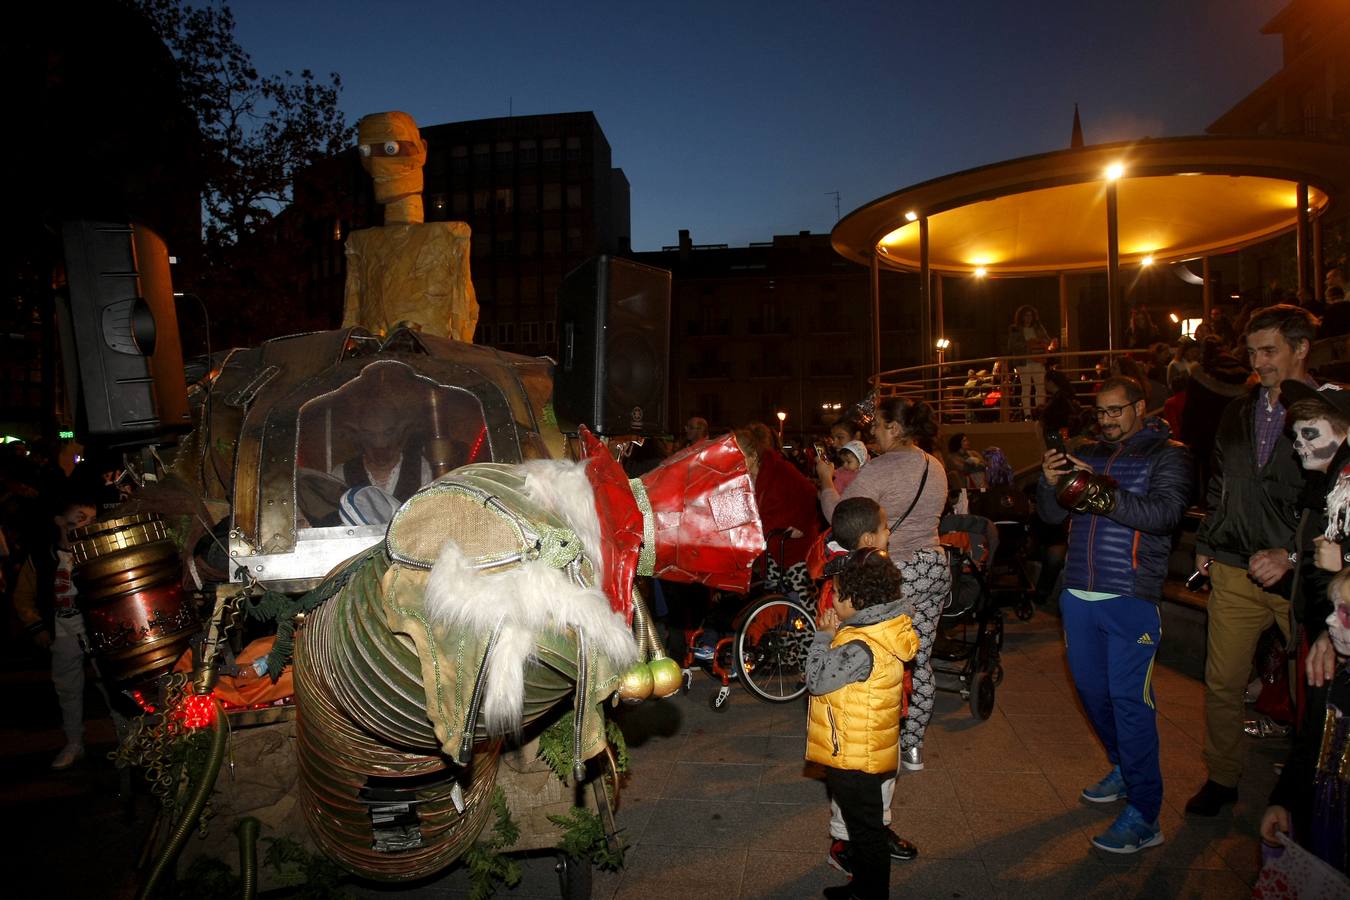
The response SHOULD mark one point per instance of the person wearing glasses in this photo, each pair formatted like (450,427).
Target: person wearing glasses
(1246,542)
(1124,495)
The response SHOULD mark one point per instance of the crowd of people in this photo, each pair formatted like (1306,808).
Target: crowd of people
(1234,409)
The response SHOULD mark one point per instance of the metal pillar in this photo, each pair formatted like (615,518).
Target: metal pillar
(937,305)
(1207,290)
(1112,264)
(925,296)
(876,314)
(1063,311)
(1318,273)
(1302,236)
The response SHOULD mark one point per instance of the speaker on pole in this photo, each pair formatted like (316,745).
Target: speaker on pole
(615,346)
(119,332)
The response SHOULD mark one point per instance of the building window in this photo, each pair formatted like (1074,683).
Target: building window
(552,150)
(505,200)
(481,156)
(506,152)
(459,203)
(574,197)
(550,332)
(573,149)
(529,332)
(552,196)
(504,247)
(459,159)
(529,244)
(506,334)
(480,244)
(483,334)
(481,200)
(552,241)
(528,154)
(528,198)
(573,239)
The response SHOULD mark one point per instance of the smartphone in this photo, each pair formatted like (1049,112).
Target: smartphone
(1198,581)
(820,451)
(1055,441)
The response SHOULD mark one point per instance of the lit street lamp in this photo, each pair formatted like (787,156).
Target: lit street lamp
(782,417)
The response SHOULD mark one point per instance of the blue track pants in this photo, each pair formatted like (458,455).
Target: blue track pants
(1111,644)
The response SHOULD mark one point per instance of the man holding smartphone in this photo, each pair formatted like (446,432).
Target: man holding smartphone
(1126,493)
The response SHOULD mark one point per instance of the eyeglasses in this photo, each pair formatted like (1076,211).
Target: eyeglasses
(1110,412)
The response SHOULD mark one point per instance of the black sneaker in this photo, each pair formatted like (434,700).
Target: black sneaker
(839,857)
(1211,798)
(900,848)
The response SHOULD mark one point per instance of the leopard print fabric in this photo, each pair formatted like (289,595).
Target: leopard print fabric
(794,581)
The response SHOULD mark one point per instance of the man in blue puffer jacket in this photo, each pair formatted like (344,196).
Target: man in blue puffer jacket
(1128,495)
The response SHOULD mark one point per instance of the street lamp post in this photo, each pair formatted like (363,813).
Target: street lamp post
(782,417)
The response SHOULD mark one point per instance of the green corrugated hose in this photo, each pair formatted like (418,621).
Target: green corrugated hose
(248,829)
(196,803)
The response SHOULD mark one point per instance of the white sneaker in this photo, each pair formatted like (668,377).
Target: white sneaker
(70,754)
(912,758)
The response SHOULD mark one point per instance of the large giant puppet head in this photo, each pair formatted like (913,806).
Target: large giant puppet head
(393,152)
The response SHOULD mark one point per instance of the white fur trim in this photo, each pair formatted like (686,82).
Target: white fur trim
(531,598)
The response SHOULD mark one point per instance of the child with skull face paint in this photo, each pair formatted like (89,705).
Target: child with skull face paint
(1319,419)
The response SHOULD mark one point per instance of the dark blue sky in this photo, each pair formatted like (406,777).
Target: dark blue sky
(734,119)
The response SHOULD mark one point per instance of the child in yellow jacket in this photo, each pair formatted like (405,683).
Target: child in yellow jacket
(855,674)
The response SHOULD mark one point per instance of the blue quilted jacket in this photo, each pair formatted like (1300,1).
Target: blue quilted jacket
(1126,552)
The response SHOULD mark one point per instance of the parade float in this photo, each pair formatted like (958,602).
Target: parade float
(402,597)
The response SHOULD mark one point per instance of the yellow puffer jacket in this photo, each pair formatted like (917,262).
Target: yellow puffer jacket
(858,726)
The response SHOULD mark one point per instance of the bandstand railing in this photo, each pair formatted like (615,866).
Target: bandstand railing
(988,389)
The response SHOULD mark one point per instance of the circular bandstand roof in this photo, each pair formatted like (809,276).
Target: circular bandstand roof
(1178,198)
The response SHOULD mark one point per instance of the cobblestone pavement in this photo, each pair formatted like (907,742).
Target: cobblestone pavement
(720,804)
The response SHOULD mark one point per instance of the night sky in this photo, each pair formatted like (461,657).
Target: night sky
(737,120)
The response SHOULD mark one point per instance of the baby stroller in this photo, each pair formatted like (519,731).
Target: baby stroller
(966,653)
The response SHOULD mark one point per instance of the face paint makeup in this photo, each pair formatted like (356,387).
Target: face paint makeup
(1338,626)
(1316,442)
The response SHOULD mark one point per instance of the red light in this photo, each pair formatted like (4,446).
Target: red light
(197,711)
(993,398)
(145,705)
(478,444)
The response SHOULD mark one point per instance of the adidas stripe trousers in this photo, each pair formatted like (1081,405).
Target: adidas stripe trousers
(1111,644)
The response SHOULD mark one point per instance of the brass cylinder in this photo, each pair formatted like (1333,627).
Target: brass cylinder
(128,573)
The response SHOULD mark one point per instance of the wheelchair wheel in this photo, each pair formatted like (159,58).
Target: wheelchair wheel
(771,647)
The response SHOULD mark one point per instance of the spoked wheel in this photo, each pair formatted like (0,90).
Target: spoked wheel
(771,647)
(981,696)
(718,699)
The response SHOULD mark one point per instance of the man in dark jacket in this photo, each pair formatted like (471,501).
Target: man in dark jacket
(1246,542)
(1128,495)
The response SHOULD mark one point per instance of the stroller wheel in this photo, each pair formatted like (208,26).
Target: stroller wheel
(718,701)
(1025,611)
(982,696)
(997,674)
(687,680)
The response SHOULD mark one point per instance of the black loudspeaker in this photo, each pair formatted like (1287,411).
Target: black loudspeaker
(614,333)
(120,332)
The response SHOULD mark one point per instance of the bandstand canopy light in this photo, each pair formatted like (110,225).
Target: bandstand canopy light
(1178,198)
